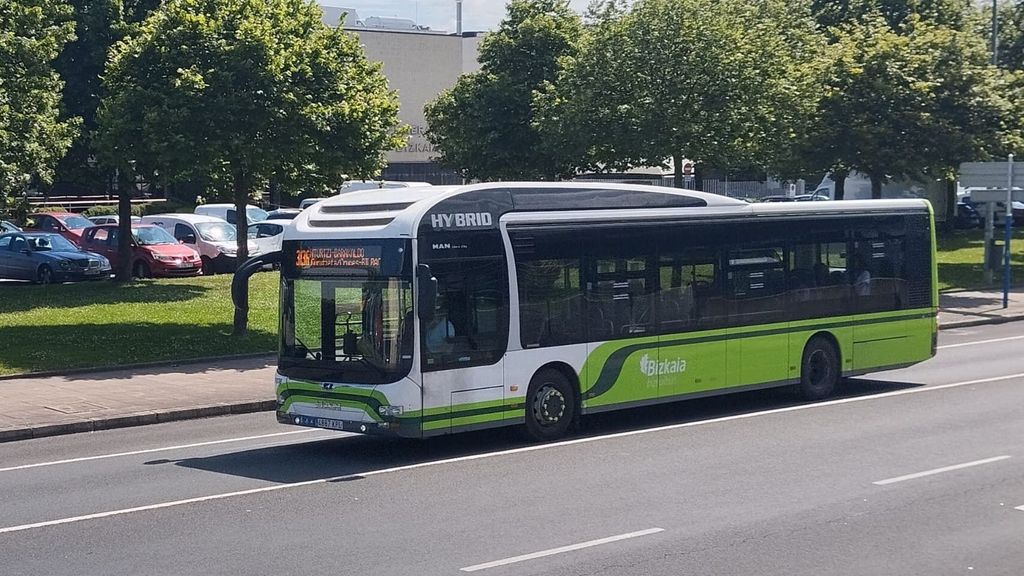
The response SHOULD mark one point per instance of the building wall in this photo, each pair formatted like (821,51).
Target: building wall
(419,65)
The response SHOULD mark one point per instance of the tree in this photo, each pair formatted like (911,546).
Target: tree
(99,24)
(834,13)
(231,92)
(32,136)
(908,104)
(719,82)
(482,126)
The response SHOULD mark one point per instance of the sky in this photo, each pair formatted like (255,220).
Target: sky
(438,14)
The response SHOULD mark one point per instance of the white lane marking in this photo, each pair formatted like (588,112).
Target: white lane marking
(561,550)
(980,342)
(152,450)
(507,452)
(1021,508)
(939,470)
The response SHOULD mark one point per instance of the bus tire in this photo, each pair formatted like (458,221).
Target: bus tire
(819,369)
(550,406)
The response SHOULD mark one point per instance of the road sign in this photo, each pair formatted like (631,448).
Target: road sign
(991,175)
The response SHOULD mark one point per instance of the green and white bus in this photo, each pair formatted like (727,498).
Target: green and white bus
(426,311)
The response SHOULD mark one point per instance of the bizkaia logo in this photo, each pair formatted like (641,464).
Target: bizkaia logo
(654,368)
(461,220)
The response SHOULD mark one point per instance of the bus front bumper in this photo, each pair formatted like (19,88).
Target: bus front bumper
(395,428)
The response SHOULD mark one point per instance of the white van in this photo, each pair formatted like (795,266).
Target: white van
(354,185)
(213,237)
(226,212)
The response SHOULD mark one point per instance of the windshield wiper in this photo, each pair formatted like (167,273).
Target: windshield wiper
(309,353)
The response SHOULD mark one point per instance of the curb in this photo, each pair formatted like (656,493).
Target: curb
(136,420)
(157,364)
(981,322)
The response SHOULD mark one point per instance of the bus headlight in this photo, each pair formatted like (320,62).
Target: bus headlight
(390,411)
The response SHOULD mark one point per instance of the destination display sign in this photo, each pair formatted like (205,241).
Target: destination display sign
(362,257)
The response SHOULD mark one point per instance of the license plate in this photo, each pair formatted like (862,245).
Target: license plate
(329,423)
(93,271)
(183,265)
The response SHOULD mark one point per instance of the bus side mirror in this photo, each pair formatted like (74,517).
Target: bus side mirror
(427,292)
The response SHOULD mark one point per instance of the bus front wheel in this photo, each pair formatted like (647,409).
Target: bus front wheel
(819,369)
(550,406)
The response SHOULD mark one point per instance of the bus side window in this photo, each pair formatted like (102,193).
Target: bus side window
(470,325)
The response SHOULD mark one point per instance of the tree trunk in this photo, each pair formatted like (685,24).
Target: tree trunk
(876,187)
(241,194)
(677,170)
(948,225)
(124,229)
(839,177)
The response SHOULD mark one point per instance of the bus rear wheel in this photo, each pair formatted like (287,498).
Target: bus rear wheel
(819,369)
(550,406)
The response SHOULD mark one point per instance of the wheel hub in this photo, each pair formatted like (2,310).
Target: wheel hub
(549,406)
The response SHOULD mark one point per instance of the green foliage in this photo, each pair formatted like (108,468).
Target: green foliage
(483,126)
(896,13)
(720,82)
(232,93)
(99,24)
(111,209)
(910,103)
(32,137)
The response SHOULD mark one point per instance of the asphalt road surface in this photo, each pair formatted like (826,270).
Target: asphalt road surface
(917,471)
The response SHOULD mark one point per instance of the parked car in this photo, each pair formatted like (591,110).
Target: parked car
(1016,207)
(154,251)
(47,257)
(111,219)
(227,212)
(307,202)
(283,214)
(967,216)
(354,185)
(810,197)
(67,224)
(779,198)
(267,235)
(7,226)
(212,237)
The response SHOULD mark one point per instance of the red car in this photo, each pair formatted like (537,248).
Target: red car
(66,224)
(154,251)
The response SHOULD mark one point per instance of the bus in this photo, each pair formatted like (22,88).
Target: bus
(424,311)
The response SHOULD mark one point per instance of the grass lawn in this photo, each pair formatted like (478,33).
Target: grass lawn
(105,324)
(961,255)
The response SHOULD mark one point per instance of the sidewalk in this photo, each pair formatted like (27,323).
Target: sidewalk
(37,407)
(975,308)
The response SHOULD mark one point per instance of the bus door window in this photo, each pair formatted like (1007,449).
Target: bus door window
(876,273)
(686,290)
(756,283)
(470,324)
(816,281)
(619,298)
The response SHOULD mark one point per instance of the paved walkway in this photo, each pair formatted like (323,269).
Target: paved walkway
(45,406)
(974,308)
(35,407)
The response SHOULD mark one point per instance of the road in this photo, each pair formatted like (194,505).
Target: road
(918,471)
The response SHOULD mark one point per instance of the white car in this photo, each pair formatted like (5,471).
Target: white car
(227,212)
(354,185)
(213,237)
(111,219)
(267,235)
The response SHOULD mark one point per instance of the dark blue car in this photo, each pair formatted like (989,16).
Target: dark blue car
(46,257)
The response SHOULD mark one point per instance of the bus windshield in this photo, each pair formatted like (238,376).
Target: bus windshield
(345,324)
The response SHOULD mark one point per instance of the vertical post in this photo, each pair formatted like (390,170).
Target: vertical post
(1007,223)
(990,236)
(458,17)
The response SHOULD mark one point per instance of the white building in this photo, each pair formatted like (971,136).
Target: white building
(419,64)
